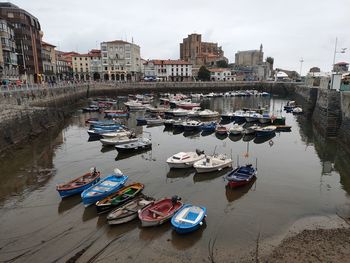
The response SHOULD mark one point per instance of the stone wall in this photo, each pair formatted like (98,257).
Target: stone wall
(344,131)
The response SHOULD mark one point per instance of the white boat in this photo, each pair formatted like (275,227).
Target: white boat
(134,105)
(191,125)
(194,112)
(117,140)
(122,133)
(212,163)
(265,131)
(236,129)
(297,110)
(251,116)
(185,159)
(179,112)
(155,121)
(208,114)
(251,130)
(127,212)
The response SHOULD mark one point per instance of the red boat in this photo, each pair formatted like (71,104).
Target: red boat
(78,185)
(160,211)
(221,130)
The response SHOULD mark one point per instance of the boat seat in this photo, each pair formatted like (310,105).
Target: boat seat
(186,220)
(157,212)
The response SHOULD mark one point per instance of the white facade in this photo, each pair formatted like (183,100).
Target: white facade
(121,61)
(168,70)
(221,74)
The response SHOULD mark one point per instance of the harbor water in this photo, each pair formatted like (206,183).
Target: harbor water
(300,175)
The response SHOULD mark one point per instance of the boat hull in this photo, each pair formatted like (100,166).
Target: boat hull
(66,193)
(186,221)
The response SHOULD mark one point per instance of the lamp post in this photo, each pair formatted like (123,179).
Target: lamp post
(301,65)
(342,50)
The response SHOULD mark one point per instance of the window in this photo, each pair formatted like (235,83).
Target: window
(10,15)
(75,58)
(80,58)
(85,58)
(105,68)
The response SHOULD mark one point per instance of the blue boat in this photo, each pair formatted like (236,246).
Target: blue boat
(79,184)
(105,122)
(209,126)
(98,131)
(104,188)
(141,121)
(188,219)
(105,127)
(240,176)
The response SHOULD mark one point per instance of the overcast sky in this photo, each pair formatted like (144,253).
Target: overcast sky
(289,30)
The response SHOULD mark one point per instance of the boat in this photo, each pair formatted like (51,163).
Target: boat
(179,112)
(221,130)
(209,126)
(115,113)
(265,131)
(212,163)
(97,132)
(265,118)
(208,114)
(91,108)
(155,121)
(194,112)
(134,105)
(118,140)
(236,129)
(283,128)
(103,188)
(141,121)
(297,110)
(101,123)
(127,212)
(252,116)
(187,104)
(119,198)
(251,129)
(159,211)
(185,159)
(118,133)
(227,116)
(191,125)
(239,116)
(169,123)
(78,185)
(241,175)
(188,219)
(178,124)
(140,144)
(290,106)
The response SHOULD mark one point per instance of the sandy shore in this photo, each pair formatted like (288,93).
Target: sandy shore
(314,239)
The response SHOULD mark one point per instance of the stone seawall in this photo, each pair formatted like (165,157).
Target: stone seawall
(344,131)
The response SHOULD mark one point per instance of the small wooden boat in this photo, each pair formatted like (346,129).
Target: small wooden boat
(116,134)
(185,159)
(265,131)
(104,188)
(297,110)
(79,184)
(191,125)
(118,198)
(160,211)
(127,212)
(241,175)
(115,113)
(117,140)
(188,219)
(91,108)
(212,163)
(140,144)
(236,129)
(222,130)
(208,114)
(251,129)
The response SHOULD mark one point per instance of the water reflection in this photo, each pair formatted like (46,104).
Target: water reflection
(125,155)
(192,134)
(186,241)
(109,148)
(89,213)
(201,177)
(68,203)
(248,137)
(180,173)
(235,138)
(221,136)
(207,133)
(177,131)
(259,140)
(236,193)
(151,233)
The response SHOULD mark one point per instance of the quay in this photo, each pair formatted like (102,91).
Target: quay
(29,110)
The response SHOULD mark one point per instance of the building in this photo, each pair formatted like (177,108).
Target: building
(95,64)
(63,68)
(81,66)
(199,53)
(341,67)
(168,70)
(249,58)
(221,74)
(121,61)
(27,32)
(49,62)
(8,56)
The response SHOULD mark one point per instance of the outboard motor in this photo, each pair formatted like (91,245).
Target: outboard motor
(174,199)
(199,152)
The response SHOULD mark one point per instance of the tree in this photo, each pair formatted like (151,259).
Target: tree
(203,74)
(222,64)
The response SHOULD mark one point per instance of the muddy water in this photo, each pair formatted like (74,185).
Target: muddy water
(300,174)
